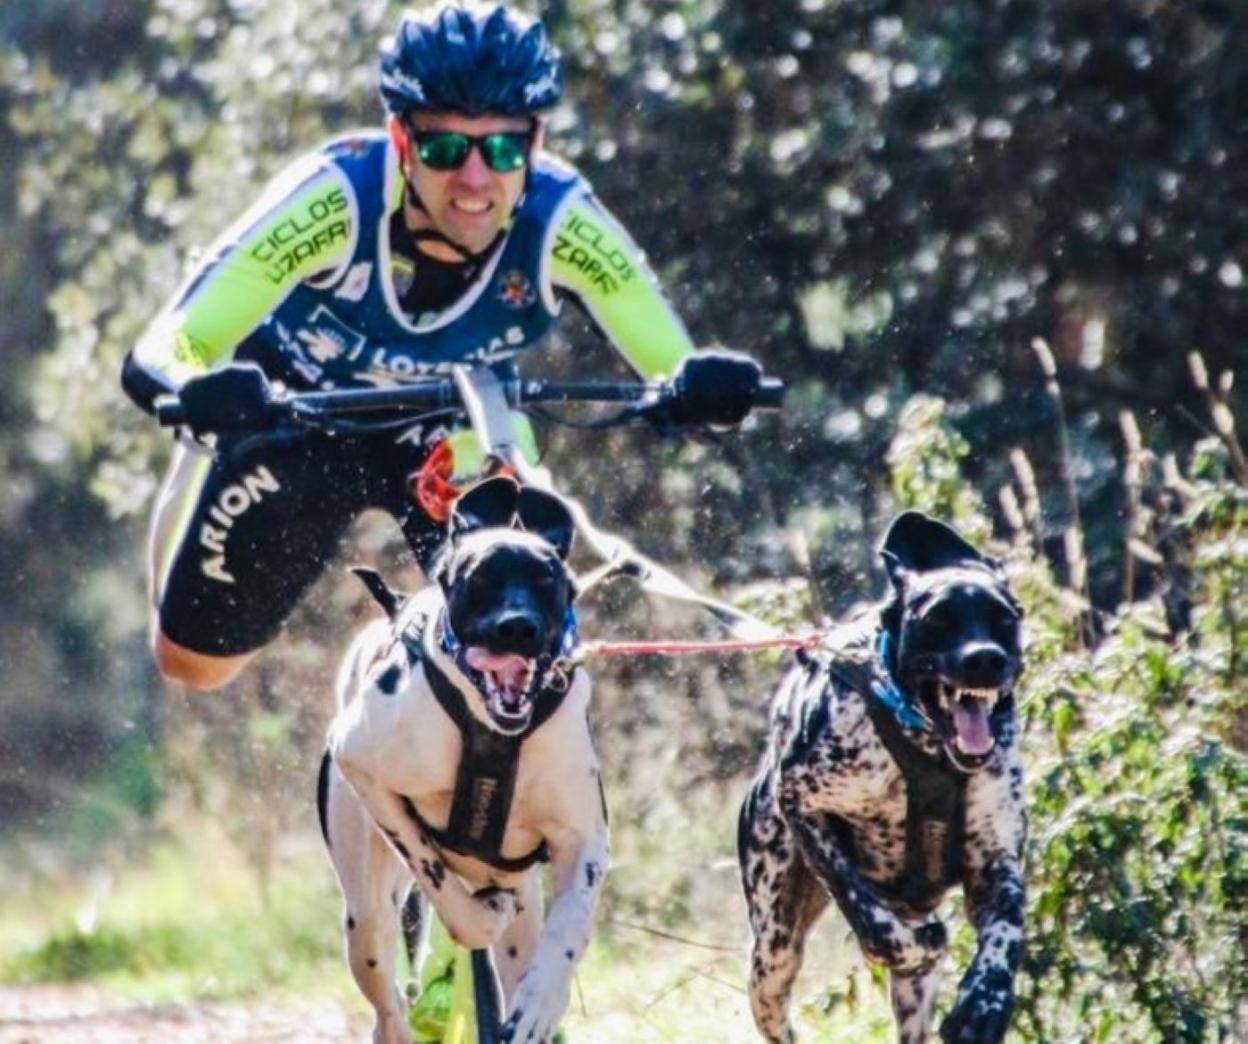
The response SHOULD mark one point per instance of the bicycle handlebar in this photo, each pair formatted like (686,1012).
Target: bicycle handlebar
(442,394)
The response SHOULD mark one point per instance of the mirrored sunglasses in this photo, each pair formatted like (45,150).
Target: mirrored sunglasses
(503,151)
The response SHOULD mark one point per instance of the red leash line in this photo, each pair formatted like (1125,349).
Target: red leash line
(808,641)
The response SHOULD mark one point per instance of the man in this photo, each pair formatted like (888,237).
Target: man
(450,238)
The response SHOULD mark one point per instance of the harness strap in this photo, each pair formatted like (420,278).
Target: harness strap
(935,814)
(485,779)
(620,558)
(935,790)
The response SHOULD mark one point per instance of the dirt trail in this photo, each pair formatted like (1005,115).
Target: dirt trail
(86,1015)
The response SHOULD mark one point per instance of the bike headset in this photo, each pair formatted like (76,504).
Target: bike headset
(472,59)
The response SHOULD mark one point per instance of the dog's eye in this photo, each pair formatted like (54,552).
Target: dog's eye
(1005,631)
(940,619)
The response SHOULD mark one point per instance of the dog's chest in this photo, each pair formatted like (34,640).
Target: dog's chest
(835,759)
(556,773)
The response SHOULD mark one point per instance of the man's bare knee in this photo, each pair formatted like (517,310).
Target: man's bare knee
(197,670)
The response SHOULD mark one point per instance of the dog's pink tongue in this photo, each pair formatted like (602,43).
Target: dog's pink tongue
(970,723)
(511,670)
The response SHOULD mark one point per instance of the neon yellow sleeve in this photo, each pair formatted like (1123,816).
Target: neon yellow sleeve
(301,226)
(594,258)
(468,455)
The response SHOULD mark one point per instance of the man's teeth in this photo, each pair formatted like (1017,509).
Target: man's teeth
(472,206)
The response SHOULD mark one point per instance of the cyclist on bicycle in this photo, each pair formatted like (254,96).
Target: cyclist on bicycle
(451,237)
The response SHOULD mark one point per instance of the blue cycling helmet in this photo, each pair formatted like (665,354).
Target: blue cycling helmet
(471,59)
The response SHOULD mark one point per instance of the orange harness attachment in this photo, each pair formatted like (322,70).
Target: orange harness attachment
(431,487)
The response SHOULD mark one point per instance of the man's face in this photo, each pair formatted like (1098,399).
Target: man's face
(471,204)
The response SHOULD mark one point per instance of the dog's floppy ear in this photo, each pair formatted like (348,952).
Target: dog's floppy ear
(547,516)
(390,600)
(916,542)
(486,505)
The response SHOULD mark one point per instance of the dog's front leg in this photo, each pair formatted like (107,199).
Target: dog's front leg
(373,884)
(476,921)
(981,1012)
(515,950)
(913,997)
(906,949)
(579,866)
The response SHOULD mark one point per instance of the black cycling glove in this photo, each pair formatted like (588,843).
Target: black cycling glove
(715,387)
(233,399)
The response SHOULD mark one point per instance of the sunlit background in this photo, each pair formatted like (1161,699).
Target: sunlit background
(998,252)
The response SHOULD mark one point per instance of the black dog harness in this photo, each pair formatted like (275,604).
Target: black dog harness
(485,781)
(935,792)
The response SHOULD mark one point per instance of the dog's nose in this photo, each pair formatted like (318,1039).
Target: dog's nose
(517,632)
(983,665)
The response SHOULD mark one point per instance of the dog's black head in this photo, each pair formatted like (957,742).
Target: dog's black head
(508,594)
(955,628)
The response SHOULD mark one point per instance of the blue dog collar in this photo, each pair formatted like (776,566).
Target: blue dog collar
(885,689)
(569,637)
(447,641)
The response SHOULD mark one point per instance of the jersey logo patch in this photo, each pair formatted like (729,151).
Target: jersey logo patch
(355,284)
(326,337)
(515,290)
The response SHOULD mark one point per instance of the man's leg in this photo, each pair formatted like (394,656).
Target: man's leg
(174,504)
(236,540)
(198,671)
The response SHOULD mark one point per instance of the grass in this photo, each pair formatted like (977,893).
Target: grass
(185,920)
(658,991)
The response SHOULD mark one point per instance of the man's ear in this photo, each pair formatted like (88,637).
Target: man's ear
(398,138)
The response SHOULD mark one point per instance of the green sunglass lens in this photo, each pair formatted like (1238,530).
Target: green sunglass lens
(443,151)
(504,152)
(448,150)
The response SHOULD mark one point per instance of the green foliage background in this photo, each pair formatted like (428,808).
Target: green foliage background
(886,202)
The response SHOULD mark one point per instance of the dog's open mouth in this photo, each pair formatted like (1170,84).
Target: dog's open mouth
(969,714)
(508,679)
(964,720)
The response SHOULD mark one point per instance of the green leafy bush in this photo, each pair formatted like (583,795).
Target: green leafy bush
(1137,869)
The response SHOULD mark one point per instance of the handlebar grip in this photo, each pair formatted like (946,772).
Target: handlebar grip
(770,394)
(169,412)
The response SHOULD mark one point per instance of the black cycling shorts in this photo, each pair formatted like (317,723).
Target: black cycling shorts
(256,525)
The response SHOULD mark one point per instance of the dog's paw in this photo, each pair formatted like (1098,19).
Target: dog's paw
(907,949)
(392,1029)
(980,1015)
(540,1000)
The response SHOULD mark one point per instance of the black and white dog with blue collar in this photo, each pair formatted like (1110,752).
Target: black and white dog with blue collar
(461,757)
(892,774)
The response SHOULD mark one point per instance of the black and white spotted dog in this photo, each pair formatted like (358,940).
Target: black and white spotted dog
(892,774)
(461,757)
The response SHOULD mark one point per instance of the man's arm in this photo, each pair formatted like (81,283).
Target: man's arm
(593,258)
(301,226)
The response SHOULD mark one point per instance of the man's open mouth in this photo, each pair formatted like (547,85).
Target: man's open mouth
(505,681)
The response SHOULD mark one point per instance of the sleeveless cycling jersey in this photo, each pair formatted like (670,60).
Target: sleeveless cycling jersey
(345,328)
(303,283)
